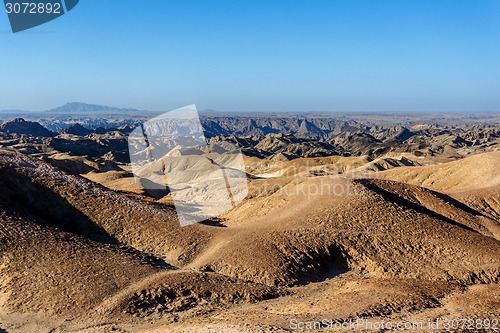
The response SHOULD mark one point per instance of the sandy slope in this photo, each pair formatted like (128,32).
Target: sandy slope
(478,171)
(473,181)
(62,264)
(339,247)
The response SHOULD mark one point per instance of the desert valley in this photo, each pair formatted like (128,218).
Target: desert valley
(349,217)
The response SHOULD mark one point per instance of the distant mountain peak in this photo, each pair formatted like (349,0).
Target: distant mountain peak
(76,129)
(15,120)
(78,107)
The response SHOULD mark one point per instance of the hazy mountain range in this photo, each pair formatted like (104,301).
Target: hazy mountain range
(78,108)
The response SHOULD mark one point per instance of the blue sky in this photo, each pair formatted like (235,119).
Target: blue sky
(235,55)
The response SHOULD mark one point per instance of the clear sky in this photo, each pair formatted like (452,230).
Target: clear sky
(252,55)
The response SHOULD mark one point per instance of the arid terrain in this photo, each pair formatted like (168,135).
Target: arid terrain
(347,220)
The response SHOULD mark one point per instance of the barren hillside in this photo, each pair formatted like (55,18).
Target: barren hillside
(316,237)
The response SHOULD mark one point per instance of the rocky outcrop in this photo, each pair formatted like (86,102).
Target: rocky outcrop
(23,127)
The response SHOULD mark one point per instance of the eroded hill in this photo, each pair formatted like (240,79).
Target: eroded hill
(71,246)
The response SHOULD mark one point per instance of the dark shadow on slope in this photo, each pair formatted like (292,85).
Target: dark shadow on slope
(154,190)
(48,208)
(21,193)
(457,204)
(331,264)
(215,222)
(321,264)
(408,204)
